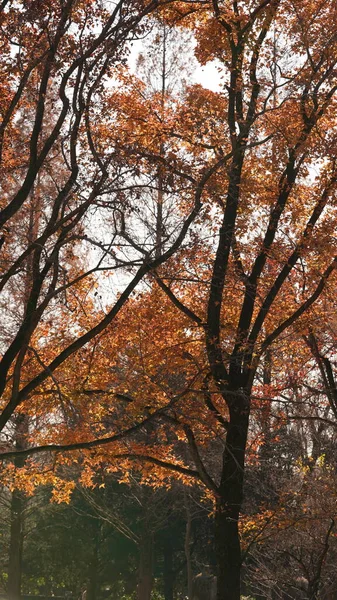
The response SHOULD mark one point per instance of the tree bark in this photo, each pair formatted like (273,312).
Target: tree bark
(227,538)
(228,554)
(145,573)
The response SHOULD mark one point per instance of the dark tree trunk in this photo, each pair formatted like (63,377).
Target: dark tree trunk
(168,574)
(145,573)
(227,539)
(15,547)
(228,554)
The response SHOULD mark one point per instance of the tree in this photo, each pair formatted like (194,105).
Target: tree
(50,121)
(258,259)
(269,301)
(55,63)
(251,174)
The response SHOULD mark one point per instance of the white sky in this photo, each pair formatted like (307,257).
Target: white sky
(207,75)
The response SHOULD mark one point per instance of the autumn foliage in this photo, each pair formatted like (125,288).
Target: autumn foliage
(168,256)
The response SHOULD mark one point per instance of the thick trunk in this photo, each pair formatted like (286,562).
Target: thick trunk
(228,555)
(15,547)
(145,573)
(227,536)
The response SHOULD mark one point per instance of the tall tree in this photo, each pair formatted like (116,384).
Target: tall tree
(251,174)
(56,149)
(269,266)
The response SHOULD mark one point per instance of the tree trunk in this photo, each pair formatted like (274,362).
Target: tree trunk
(15,547)
(227,539)
(228,554)
(145,573)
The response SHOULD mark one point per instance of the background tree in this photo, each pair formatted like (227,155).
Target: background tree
(59,85)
